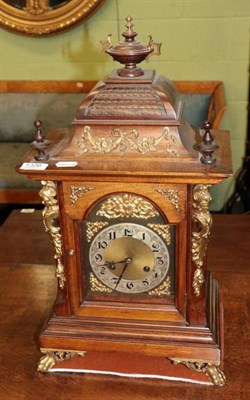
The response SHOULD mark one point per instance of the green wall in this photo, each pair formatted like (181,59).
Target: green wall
(202,40)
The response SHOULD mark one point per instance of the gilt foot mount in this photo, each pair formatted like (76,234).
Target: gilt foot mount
(53,356)
(211,369)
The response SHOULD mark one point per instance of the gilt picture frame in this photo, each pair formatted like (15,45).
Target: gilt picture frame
(45,17)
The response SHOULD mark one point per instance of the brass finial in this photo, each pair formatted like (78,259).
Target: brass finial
(129,24)
(129,34)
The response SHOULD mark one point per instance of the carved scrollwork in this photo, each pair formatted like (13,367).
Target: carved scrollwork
(52,356)
(77,192)
(163,289)
(123,141)
(93,228)
(211,369)
(156,47)
(37,7)
(163,230)
(97,286)
(203,219)
(50,220)
(106,44)
(172,195)
(127,205)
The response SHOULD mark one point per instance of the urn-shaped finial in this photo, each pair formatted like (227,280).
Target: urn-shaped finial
(130,52)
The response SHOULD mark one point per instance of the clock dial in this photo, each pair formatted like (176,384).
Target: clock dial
(129,258)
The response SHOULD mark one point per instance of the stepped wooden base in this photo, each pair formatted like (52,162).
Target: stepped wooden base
(197,348)
(128,365)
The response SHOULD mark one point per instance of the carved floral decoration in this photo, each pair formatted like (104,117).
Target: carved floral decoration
(203,219)
(50,220)
(125,140)
(127,205)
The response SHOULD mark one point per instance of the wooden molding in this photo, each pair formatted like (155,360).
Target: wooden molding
(46,86)
(82,86)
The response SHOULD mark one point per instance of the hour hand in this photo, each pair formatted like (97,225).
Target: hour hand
(112,264)
(127,261)
(108,264)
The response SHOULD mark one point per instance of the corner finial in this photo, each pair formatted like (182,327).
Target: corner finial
(40,143)
(207,146)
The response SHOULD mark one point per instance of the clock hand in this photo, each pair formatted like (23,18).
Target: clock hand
(111,263)
(127,262)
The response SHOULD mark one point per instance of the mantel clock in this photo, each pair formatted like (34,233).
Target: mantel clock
(126,195)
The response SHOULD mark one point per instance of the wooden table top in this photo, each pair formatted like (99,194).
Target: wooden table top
(27,292)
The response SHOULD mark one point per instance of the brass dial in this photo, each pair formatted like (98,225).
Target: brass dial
(129,258)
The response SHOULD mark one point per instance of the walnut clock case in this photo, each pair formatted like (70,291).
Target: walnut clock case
(126,195)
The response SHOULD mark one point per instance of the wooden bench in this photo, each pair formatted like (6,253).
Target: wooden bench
(55,104)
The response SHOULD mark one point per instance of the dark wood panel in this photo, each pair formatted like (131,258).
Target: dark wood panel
(15,196)
(229,248)
(23,240)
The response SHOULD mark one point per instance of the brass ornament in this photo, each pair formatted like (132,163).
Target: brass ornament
(154,46)
(37,7)
(50,219)
(123,141)
(97,286)
(211,369)
(77,192)
(162,230)
(170,149)
(125,206)
(106,44)
(37,18)
(203,219)
(52,356)
(163,289)
(172,195)
(93,228)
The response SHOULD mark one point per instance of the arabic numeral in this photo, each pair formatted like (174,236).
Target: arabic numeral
(145,282)
(130,285)
(102,270)
(159,260)
(128,232)
(102,245)
(156,275)
(155,247)
(98,257)
(112,235)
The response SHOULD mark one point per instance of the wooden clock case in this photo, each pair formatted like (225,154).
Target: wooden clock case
(129,141)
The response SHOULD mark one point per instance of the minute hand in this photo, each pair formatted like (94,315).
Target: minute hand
(127,262)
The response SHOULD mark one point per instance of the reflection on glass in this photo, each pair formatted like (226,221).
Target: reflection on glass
(58,3)
(36,3)
(16,3)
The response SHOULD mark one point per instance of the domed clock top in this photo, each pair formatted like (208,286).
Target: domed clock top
(134,113)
